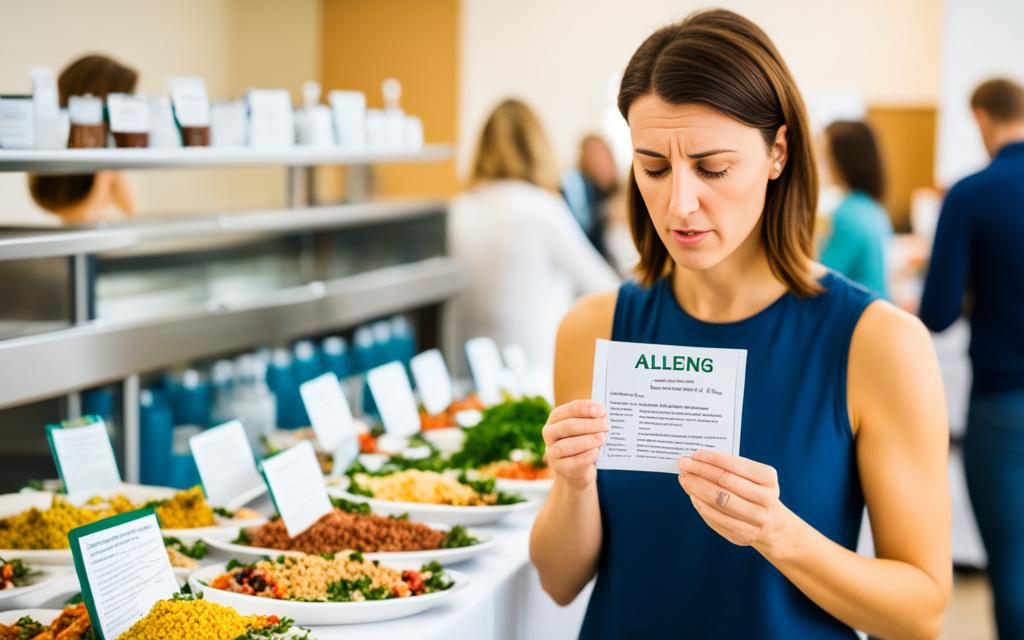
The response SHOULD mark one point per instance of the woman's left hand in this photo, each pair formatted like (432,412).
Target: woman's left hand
(737,497)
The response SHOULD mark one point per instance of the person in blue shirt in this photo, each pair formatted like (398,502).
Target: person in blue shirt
(861,228)
(977,269)
(589,188)
(842,404)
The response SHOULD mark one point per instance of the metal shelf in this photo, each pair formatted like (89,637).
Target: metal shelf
(20,244)
(91,160)
(63,361)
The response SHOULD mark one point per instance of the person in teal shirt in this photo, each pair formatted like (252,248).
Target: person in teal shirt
(861,228)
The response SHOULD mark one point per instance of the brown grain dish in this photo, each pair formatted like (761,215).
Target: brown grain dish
(341,531)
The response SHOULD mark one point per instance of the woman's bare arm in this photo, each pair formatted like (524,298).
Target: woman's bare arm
(566,537)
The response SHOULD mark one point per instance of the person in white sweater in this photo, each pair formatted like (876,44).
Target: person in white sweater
(526,257)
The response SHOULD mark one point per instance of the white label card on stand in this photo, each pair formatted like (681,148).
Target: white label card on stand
(297,487)
(271,121)
(191,105)
(665,402)
(225,462)
(515,358)
(487,369)
(128,112)
(85,459)
(123,570)
(328,411)
(432,380)
(389,385)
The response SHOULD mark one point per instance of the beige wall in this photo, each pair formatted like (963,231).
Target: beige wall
(564,57)
(232,44)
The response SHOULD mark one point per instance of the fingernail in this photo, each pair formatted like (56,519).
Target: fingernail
(684,462)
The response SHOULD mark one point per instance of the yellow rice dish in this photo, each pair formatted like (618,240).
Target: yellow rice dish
(423,486)
(48,528)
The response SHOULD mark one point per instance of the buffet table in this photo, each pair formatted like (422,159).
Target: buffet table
(504,601)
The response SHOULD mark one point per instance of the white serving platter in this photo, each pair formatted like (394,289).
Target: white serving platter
(323,613)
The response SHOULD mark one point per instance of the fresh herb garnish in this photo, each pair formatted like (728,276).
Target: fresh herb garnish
(235,564)
(404,516)
(504,428)
(28,628)
(357,489)
(458,536)
(351,506)
(221,511)
(243,537)
(438,580)
(14,571)
(343,590)
(197,551)
(272,631)
(154,504)
(356,556)
(485,486)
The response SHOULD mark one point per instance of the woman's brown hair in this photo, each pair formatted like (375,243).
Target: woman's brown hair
(513,146)
(97,75)
(855,157)
(720,59)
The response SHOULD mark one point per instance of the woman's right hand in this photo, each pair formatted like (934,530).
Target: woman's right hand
(573,436)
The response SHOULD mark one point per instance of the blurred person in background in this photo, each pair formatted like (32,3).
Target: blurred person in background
(977,268)
(861,228)
(527,258)
(590,187)
(842,406)
(88,197)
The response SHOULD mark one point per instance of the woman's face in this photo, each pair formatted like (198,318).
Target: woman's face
(703,177)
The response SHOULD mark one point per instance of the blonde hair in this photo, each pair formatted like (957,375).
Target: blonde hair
(513,146)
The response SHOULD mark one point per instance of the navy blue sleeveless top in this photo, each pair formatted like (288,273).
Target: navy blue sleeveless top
(663,573)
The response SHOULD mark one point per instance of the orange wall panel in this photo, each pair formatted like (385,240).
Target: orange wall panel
(416,41)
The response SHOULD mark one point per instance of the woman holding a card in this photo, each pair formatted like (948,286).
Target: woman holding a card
(842,403)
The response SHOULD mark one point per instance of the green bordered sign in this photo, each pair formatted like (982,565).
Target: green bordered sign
(123,570)
(84,456)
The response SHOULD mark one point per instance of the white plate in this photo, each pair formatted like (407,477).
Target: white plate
(528,488)
(325,613)
(42,616)
(443,513)
(446,557)
(46,575)
(446,440)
